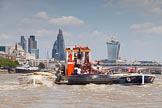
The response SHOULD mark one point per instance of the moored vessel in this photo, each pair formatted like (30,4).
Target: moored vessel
(26,68)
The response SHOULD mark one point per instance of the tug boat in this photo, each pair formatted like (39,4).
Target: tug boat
(37,78)
(79,71)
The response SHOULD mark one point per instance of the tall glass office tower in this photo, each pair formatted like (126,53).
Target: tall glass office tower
(113,47)
(23,43)
(32,46)
(32,43)
(58,51)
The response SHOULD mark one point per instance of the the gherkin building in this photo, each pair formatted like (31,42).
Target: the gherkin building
(58,51)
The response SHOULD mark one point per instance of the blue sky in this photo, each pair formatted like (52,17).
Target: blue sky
(137,24)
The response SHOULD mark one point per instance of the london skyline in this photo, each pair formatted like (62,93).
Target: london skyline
(136,24)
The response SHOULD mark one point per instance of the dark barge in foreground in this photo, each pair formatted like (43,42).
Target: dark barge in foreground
(82,79)
(134,78)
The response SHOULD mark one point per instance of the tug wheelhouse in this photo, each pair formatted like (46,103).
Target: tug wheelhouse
(78,57)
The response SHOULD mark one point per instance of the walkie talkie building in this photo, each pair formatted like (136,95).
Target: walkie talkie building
(113,47)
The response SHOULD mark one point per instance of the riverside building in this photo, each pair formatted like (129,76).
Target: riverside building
(113,47)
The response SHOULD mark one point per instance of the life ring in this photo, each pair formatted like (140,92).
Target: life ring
(128,79)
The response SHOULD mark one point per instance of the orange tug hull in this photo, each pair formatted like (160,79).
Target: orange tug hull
(70,68)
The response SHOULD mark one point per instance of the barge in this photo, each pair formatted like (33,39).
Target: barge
(83,79)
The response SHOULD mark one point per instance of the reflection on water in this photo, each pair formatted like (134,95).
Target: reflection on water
(13,95)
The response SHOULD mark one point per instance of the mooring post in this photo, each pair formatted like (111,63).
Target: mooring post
(143,79)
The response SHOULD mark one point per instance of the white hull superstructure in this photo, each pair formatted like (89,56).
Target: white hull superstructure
(26,68)
(37,78)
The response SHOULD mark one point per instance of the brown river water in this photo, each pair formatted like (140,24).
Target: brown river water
(13,95)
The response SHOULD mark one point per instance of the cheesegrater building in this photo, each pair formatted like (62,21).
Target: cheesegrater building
(58,51)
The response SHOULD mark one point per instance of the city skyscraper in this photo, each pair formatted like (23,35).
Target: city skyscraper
(23,43)
(32,43)
(58,51)
(113,47)
(32,46)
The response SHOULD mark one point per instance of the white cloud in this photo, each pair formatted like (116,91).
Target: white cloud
(42,15)
(66,20)
(105,36)
(97,33)
(43,18)
(144,7)
(31,21)
(41,32)
(141,26)
(109,3)
(155,30)
(4,36)
(66,33)
(48,32)
(147,28)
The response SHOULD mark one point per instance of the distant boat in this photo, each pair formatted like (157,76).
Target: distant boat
(26,68)
(155,72)
(37,78)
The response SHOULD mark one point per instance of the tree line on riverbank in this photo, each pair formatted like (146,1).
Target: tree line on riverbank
(4,62)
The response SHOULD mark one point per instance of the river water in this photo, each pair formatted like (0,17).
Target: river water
(13,95)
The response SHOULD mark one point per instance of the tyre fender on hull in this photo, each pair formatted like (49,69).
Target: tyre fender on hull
(128,79)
